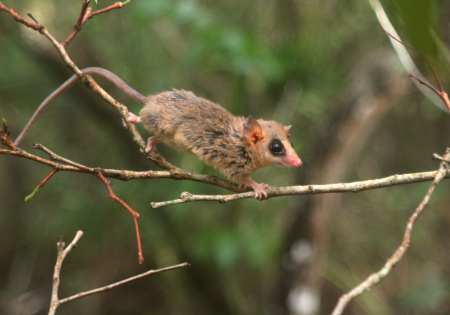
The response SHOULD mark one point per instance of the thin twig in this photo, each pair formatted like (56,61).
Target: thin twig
(89,14)
(133,213)
(78,24)
(441,93)
(41,184)
(440,158)
(117,5)
(62,253)
(32,17)
(401,51)
(5,137)
(18,18)
(428,85)
(55,157)
(85,15)
(441,88)
(401,250)
(113,285)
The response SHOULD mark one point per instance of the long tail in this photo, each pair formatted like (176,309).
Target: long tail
(71,81)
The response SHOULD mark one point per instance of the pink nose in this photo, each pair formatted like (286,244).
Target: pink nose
(297,163)
(293,161)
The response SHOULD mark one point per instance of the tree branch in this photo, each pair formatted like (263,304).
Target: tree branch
(401,250)
(310,189)
(272,192)
(213,180)
(113,285)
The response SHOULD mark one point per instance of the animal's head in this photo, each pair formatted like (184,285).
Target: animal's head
(271,139)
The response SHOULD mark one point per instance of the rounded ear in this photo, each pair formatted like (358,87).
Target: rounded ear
(253,131)
(286,128)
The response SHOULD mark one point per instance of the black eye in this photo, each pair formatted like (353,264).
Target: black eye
(276,147)
(291,143)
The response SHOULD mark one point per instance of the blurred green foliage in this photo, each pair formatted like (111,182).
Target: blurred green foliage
(292,61)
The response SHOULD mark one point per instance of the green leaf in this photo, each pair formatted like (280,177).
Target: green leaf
(32,194)
(4,120)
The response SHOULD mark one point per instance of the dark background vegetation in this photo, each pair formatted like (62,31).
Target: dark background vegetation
(323,66)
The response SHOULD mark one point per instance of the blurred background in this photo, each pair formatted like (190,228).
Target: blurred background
(323,66)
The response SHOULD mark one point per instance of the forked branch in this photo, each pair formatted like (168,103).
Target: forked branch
(62,253)
(85,15)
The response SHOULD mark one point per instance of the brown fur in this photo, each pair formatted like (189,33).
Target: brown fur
(194,125)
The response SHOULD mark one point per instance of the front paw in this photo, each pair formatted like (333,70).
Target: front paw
(260,191)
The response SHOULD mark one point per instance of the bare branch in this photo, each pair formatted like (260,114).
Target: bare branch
(78,24)
(428,85)
(111,286)
(5,138)
(62,253)
(133,213)
(401,250)
(117,5)
(55,157)
(440,158)
(310,189)
(36,26)
(441,94)
(85,15)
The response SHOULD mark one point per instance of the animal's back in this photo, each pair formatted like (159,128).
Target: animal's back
(187,122)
